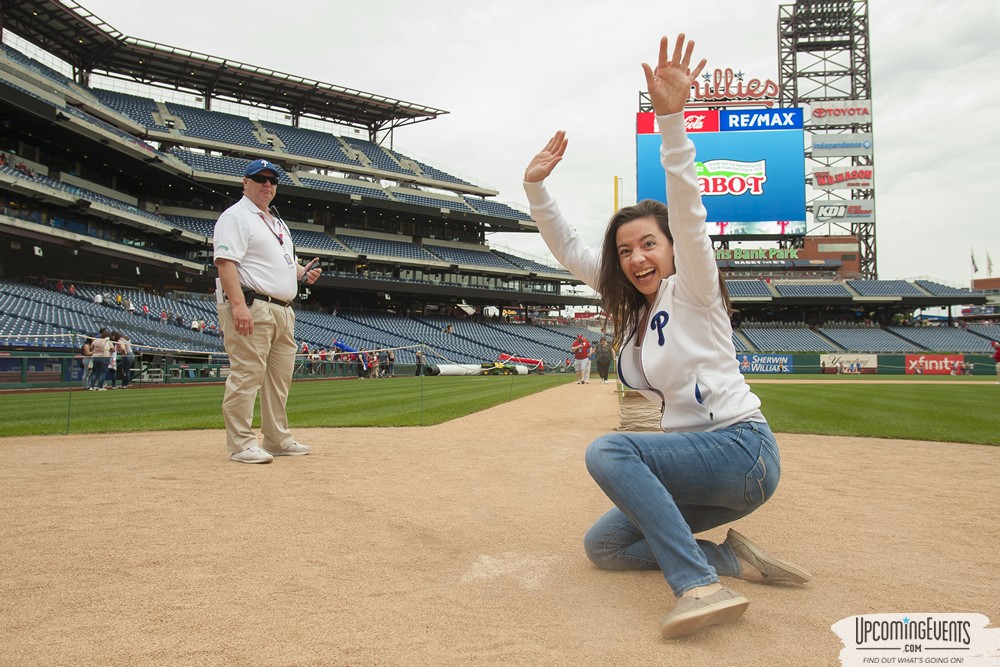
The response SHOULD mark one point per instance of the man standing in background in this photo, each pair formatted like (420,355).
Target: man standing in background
(259,276)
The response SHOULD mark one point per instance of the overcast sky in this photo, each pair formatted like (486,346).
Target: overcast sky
(512,72)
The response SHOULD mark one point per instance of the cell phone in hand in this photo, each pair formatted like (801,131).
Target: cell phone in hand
(310,266)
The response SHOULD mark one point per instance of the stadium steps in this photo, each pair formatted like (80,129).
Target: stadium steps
(533,341)
(829,340)
(746,341)
(444,349)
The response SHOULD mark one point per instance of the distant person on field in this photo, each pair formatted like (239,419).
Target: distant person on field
(603,354)
(126,357)
(996,358)
(260,275)
(715,460)
(86,360)
(580,347)
(100,359)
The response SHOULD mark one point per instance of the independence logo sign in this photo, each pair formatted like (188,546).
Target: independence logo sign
(918,639)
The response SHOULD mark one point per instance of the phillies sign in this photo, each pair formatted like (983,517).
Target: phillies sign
(723,87)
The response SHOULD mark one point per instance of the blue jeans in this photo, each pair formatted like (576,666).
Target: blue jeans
(668,486)
(99,368)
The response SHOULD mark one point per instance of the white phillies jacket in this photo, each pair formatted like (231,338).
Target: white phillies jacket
(687,361)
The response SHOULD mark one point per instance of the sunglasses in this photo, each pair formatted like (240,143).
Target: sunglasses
(260,178)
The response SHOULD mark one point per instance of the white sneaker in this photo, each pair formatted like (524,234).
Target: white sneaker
(251,455)
(291,449)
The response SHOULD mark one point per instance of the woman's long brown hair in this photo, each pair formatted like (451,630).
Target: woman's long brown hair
(619,297)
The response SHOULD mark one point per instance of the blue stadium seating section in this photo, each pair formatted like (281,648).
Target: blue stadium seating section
(767,339)
(310,143)
(219,164)
(371,191)
(217,126)
(429,201)
(196,225)
(470,257)
(35,65)
(531,265)
(497,209)
(748,288)
(944,339)
(989,331)
(365,245)
(868,340)
(432,172)
(45,318)
(310,239)
(884,288)
(812,290)
(89,195)
(139,109)
(938,289)
(378,157)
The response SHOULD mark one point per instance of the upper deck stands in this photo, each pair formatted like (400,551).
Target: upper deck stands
(884,288)
(470,257)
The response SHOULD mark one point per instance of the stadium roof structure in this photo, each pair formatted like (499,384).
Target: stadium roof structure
(72,33)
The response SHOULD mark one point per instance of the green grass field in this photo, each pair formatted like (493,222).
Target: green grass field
(960,411)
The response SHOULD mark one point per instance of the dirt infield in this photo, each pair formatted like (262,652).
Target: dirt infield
(451,545)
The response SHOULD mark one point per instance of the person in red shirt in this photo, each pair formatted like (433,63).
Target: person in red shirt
(581,359)
(996,358)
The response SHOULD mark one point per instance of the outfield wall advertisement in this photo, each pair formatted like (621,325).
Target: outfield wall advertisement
(932,364)
(765,363)
(750,168)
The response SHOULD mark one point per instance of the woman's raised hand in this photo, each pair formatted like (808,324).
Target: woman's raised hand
(669,84)
(546,160)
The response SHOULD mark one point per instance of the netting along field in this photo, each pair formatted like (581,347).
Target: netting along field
(453,544)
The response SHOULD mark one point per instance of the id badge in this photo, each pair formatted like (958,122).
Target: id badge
(288,260)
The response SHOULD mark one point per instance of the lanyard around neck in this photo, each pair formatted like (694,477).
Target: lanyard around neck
(280,236)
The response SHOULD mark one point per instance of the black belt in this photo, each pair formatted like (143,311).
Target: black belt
(249,296)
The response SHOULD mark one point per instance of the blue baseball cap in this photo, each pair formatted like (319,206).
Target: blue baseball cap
(261,165)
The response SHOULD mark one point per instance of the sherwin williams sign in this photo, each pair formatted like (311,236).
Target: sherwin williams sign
(750,166)
(765,363)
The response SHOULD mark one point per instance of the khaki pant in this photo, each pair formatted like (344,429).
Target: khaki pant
(260,363)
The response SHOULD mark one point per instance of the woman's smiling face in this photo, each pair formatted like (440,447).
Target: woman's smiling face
(645,255)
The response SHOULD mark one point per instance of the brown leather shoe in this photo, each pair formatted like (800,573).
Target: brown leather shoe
(775,571)
(693,614)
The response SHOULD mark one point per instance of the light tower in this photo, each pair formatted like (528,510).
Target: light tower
(824,63)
